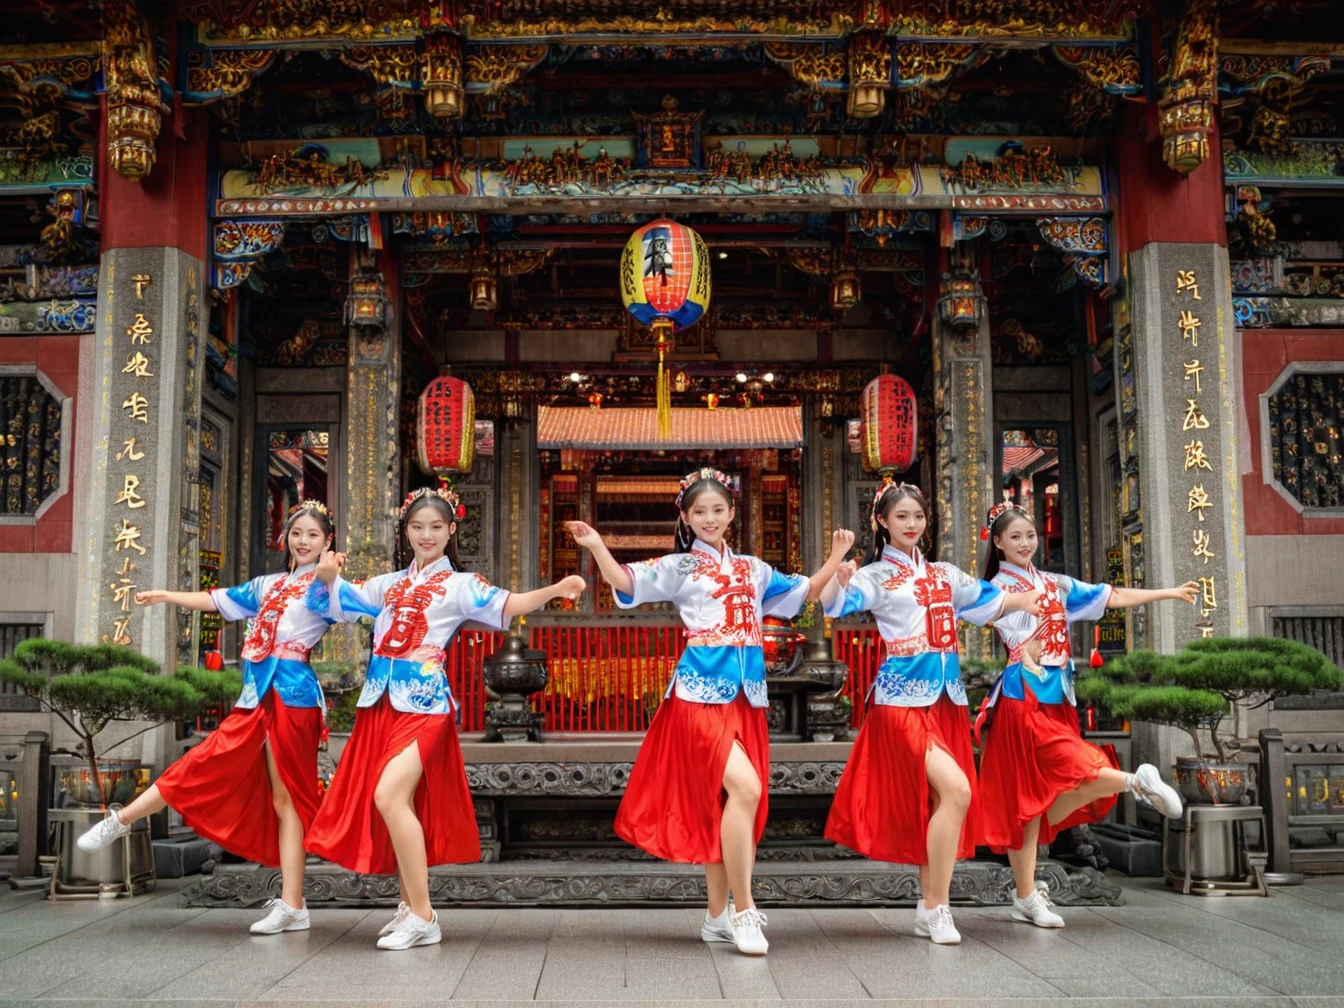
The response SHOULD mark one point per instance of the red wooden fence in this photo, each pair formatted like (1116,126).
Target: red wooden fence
(611,678)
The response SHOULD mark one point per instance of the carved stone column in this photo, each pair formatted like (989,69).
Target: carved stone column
(140,520)
(964,428)
(372,461)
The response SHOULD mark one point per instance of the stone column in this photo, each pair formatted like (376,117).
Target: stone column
(1184,383)
(138,522)
(1179,368)
(372,461)
(518,464)
(138,525)
(964,431)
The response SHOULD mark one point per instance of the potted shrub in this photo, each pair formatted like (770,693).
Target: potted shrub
(1196,689)
(88,687)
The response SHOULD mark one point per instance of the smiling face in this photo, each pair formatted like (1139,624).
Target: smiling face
(428,529)
(306,540)
(905,522)
(709,514)
(1017,542)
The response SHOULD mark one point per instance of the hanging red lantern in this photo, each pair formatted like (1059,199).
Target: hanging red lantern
(445,426)
(889,423)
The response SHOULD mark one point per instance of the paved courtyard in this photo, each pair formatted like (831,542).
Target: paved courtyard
(1158,949)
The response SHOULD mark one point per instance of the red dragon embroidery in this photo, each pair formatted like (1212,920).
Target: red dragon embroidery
(902,575)
(1054,629)
(260,639)
(409,602)
(934,593)
(738,594)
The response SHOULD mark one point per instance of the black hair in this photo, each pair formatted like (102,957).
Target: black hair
(444,511)
(891,496)
(994,555)
(323,520)
(685,538)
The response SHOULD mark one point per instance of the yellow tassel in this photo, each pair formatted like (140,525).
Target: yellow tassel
(662,333)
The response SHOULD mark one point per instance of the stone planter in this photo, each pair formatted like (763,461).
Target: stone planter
(1203,782)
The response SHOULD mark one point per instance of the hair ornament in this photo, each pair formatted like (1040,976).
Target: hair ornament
(444,491)
(309,505)
(887,484)
(996,512)
(690,479)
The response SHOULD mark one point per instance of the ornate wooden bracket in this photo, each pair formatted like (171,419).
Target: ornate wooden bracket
(134,100)
(238,245)
(1083,242)
(1186,107)
(1276,81)
(216,74)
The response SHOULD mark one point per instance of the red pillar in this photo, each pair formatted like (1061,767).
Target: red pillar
(1160,205)
(168,208)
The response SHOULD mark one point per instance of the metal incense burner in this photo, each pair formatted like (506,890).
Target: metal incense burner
(512,674)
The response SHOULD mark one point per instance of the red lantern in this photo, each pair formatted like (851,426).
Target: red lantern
(445,426)
(889,424)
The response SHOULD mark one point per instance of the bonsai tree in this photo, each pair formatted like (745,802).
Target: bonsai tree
(1197,688)
(90,686)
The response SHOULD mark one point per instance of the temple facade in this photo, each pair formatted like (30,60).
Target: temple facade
(1103,242)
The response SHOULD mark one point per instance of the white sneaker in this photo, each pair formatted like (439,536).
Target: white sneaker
(1035,909)
(720,928)
(747,934)
(102,834)
(1149,787)
(936,924)
(282,917)
(411,932)
(395,922)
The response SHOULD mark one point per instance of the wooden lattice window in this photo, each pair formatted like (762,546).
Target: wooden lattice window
(1306,417)
(30,444)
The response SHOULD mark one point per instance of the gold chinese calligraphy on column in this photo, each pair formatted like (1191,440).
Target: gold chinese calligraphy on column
(1194,457)
(128,538)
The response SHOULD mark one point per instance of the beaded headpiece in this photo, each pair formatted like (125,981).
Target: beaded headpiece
(995,512)
(443,492)
(690,479)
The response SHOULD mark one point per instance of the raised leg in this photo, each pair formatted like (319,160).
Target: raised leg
(149,802)
(1110,781)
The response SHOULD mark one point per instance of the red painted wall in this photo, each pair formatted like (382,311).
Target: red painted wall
(57,357)
(1265,353)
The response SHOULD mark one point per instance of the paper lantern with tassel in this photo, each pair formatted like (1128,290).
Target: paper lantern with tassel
(665,286)
(889,423)
(445,426)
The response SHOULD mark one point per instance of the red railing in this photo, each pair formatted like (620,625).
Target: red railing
(611,678)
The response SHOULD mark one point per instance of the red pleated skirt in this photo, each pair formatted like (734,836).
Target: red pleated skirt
(350,831)
(1033,753)
(883,802)
(221,787)
(673,804)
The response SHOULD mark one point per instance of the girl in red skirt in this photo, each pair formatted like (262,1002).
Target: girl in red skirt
(399,802)
(907,791)
(697,793)
(251,785)
(1037,774)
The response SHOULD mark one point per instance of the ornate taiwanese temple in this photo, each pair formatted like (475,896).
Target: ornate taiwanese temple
(1101,243)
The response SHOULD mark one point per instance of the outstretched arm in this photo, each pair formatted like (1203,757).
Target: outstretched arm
(822,584)
(1125,598)
(521,603)
(200,601)
(614,573)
